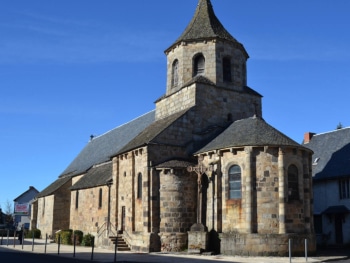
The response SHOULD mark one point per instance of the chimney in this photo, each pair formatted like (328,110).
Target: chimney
(308,136)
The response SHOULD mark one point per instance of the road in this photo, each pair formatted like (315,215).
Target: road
(9,256)
(40,252)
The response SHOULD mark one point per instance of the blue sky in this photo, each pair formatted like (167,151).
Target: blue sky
(69,69)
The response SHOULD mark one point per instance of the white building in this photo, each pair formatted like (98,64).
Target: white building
(331,185)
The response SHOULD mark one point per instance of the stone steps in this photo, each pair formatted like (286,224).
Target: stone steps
(121,244)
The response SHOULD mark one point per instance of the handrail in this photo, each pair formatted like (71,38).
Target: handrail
(107,227)
(127,237)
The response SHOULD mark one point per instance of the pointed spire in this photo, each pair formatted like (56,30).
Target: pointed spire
(204,25)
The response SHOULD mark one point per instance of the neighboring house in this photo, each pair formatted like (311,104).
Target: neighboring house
(22,206)
(202,167)
(331,185)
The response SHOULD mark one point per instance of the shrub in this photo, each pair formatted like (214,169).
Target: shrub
(78,237)
(87,240)
(36,232)
(66,237)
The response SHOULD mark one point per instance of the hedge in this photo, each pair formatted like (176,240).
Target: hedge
(37,233)
(87,240)
(66,237)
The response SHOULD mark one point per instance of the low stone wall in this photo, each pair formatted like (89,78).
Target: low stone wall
(266,244)
(142,242)
(173,242)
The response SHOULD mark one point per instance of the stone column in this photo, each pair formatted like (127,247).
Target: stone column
(115,195)
(154,203)
(248,189)
(281,192)
(134,185)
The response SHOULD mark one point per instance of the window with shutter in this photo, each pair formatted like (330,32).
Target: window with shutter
(199,65)
(175,74)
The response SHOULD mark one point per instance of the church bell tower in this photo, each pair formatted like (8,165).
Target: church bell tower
(206,67)
(206,49)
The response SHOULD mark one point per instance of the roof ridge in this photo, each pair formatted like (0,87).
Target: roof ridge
(323,133)
(121,125)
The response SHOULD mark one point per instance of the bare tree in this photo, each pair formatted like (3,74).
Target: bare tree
(9,213)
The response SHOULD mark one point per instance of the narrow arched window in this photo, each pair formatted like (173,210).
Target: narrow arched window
(199,65)
(235,182)
(293,183)
(226,70)
(175,74)
(100,198)
(244,73)
(76,199)
(139,186)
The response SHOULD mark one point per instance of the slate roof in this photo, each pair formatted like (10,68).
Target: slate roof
(176,163)
(101,148)
(53,187)
(205,25)
(333,150)
(151,132)
(252,131)
(31,191)
(96,176)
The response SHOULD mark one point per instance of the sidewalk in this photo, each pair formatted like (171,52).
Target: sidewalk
(104,255)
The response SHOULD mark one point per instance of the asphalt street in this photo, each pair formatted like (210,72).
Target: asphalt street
(9,256)
(42,252)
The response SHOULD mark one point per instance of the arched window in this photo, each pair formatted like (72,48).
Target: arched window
(293,183)
(76,199)
(175,74)
(199,65)
(235,182)
(100,198)
(139,186)
(226,69)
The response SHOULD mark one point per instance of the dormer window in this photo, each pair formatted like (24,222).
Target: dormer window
(199,65)
(316,161)
(175,74)
(226,69)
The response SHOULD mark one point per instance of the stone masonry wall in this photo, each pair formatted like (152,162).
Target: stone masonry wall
(213,52)
(61,212)
(137,221)
(89,217)
(178,193)
(252,225)
(266,244)
(214,104)
(45,215)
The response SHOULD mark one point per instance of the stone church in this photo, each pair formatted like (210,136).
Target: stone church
(201,172)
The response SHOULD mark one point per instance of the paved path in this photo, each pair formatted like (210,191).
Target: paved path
(104,255)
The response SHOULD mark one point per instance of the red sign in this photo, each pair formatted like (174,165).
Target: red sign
(21,209)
